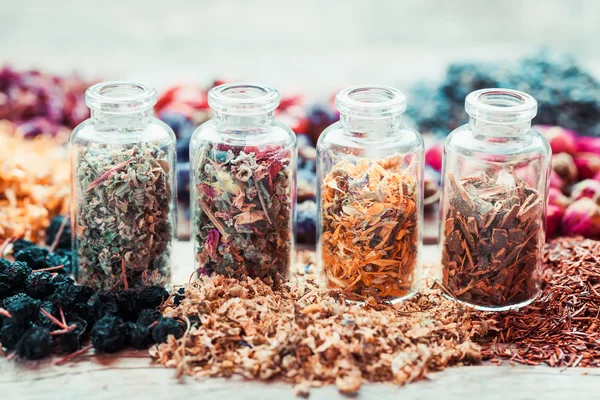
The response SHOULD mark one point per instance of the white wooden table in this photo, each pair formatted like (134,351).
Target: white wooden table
(132,375)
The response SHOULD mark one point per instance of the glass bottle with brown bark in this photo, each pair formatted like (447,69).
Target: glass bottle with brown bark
(243,186)
(370,168)
(493,208)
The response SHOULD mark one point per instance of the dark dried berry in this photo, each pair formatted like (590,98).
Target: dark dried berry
(138,336)
(72,341)
(103,304)
(39,285)
(179,296)
(128,304)
(34,256)
(53,230)
(108,334)
(24,310)
(21,244)
(10,335)
(148,316)
(61,279)
(152,297)
(4,263)
(5,287)
(16,274)
(6,302)
(67,295)
(35,343)
(59,258)
(166,327)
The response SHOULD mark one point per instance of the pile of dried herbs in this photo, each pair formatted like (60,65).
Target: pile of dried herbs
(492,240)
(244,211)
(34,184)
(312,337)
(369,239)
(123,208)
(561,328)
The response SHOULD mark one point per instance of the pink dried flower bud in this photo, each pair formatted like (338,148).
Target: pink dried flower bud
(558,199)
(553,221)
(564,165)
(433,157)
(588,165)
(587,144)
(561,140)
(582,217)
(587,188)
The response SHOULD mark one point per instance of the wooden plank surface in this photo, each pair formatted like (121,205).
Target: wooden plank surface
(133,375)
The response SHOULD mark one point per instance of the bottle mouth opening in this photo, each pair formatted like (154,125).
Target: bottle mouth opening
(503,106)
(120,97)
(370,101)
(243,99)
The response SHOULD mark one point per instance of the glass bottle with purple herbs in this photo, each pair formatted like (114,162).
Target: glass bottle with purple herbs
(493,209)
(123,190)
(243,186)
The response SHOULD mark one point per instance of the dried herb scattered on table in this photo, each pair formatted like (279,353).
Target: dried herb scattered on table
(243,211)
(561,328)
(493,235)
(309,336)
(123,216)
(369,239)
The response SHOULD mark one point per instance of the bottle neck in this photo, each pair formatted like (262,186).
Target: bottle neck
(493,130)
(370,127)
(224,121)
(135,121)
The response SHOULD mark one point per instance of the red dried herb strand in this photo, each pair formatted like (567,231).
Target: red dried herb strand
(63,331)
(5,313)
(105,175)
(562,328)
(62,316)
(53,319)
(50,269)
(124,272)
(61,228)
(71,356)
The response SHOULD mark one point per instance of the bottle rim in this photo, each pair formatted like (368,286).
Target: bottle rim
(243,98)
(370,101)
(120,97)
(502,106)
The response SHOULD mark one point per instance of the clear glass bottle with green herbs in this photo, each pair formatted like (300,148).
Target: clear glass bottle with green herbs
(243,186)
(123,190)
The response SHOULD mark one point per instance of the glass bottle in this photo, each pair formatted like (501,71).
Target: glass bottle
(243,186)
(123,190)
(370,196)
(493,208)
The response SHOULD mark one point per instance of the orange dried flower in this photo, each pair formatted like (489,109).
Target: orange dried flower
(34,184)
(369,238)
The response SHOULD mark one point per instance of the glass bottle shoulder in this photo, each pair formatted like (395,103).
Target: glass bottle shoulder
(404,139)
(275,133)
(155,131)
(463,140)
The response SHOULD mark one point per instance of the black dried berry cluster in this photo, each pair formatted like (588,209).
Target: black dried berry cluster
(111,321)
(567,95)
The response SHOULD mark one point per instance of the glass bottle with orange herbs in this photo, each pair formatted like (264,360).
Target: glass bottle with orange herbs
(370,171)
